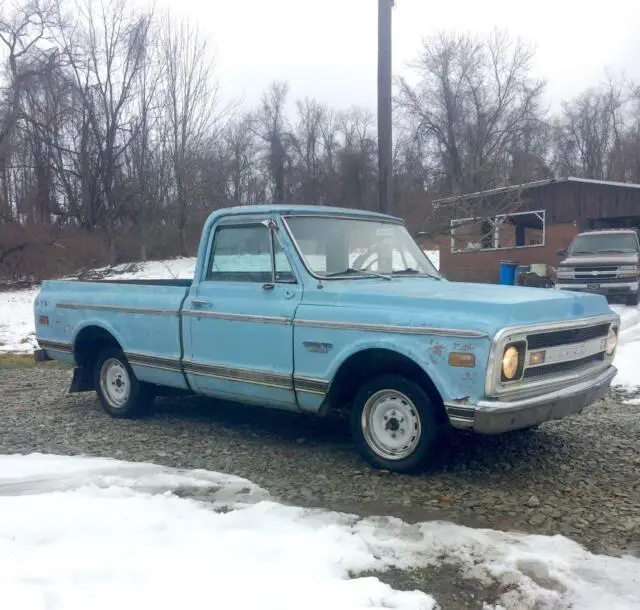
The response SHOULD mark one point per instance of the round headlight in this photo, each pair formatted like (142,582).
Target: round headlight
(510,362)
(612,341)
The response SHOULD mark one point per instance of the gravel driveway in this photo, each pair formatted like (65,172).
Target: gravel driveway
(579,477)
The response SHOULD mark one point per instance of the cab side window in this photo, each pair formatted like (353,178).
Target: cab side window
(243,254)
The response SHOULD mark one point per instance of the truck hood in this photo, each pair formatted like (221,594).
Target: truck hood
(607,258)
(485,307)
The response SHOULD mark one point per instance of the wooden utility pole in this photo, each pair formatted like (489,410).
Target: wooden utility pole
(385,125)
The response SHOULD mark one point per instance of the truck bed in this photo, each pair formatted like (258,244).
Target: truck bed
(142,315)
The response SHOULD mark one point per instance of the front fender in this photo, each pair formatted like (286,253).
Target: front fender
(431,355)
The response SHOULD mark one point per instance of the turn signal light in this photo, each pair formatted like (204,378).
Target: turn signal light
(536,358)
(462,360)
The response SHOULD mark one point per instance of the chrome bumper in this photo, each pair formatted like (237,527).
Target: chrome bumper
(496,417)
(604,288)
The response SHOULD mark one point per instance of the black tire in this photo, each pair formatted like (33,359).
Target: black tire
(409,398)
(634,299)
(136,398)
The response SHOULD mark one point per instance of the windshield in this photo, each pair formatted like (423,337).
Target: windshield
(346,247)
(604,242)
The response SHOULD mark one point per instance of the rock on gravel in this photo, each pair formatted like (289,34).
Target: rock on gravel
(578,477)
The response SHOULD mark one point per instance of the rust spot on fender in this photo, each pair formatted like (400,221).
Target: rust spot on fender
(460,401)
(437,349)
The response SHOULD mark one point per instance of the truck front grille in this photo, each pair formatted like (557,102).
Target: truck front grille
(553,355)
(566,337)
(535,372)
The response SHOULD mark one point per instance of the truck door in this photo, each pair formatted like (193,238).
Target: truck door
(238,322)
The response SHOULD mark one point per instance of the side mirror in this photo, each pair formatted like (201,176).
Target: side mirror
(561,252)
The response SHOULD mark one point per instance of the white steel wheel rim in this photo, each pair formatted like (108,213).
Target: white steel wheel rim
(115,383)
(391,425)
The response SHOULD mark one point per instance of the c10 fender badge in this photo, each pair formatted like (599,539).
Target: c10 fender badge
(318,348)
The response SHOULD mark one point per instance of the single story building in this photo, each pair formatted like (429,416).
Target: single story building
(524,223)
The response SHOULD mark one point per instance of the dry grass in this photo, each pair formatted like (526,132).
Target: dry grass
(17,361)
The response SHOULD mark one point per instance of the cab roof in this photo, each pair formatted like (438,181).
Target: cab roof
(293,210)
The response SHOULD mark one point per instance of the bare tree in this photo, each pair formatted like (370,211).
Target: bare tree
(241,162)
(106,49)
(23,29)
(192,105)
(273,129)
(473,100)
(590,132)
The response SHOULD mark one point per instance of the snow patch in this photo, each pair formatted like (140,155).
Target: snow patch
(628,353)
(121,536)
(17,328)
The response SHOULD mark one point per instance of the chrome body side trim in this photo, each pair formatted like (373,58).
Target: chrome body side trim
(389,328)
(226,373)
(236,317)
(55,346)
(241,375)
(154,362)
(118,309)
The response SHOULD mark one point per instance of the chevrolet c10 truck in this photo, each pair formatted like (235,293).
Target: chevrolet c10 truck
(310,309)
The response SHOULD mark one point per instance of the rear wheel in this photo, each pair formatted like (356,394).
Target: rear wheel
(119,391)
(394,424)
(634,299)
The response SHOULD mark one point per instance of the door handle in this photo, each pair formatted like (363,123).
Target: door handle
(201,303)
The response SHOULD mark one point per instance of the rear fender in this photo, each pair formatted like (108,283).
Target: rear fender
(103,325)
(82,380)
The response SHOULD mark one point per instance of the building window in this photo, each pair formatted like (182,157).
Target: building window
(499,232)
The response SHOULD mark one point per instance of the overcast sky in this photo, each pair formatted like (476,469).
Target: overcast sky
(326,49)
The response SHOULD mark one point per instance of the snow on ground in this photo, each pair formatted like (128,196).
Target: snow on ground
(98,533)
(17,328)
(628,354)
(178,268)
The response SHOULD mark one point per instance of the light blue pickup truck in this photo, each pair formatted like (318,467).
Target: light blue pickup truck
(311,309)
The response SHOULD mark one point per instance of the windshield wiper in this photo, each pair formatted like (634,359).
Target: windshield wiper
(616,251)
(351,271)
(411,271)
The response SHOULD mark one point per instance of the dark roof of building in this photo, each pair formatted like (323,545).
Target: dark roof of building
(531,185)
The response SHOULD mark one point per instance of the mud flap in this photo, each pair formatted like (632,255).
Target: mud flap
(41,355)
(82,381)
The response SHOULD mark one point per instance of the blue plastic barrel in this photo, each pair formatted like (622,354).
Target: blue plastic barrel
(507,272)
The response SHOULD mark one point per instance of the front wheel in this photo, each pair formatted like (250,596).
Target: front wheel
(394,424)
(120,393)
